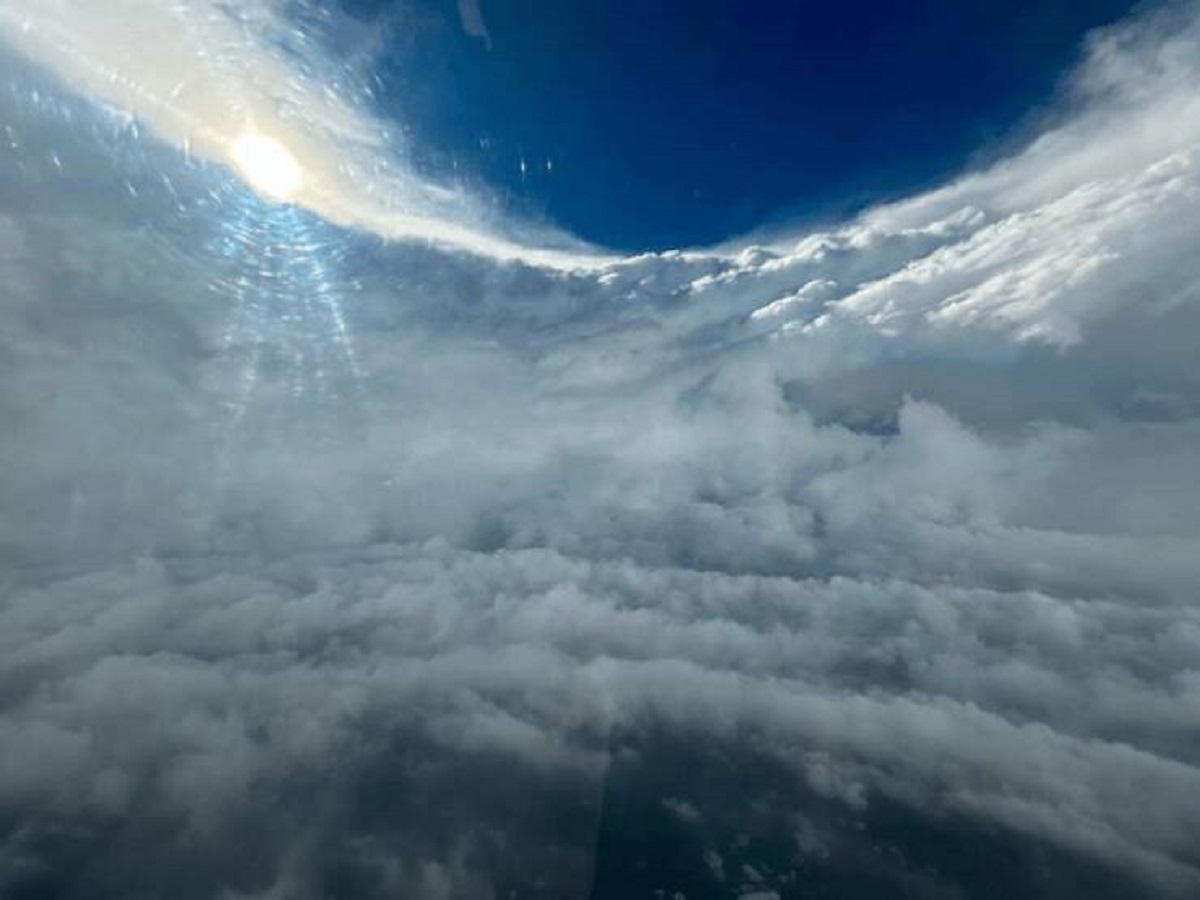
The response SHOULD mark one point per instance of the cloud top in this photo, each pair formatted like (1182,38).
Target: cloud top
(339,566)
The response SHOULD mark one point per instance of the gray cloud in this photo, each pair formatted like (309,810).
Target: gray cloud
(473,22)
(347,568)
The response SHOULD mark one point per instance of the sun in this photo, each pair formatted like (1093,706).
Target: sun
(268,166)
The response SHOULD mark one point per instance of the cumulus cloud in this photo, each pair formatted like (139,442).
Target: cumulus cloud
(347,567)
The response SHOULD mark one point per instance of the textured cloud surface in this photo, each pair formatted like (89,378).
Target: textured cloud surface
(858,563)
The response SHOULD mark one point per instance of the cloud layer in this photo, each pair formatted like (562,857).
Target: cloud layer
(344,566)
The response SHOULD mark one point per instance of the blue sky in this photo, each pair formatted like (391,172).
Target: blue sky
(672,123)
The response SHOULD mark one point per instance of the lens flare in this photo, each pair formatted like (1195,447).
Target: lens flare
(268,166)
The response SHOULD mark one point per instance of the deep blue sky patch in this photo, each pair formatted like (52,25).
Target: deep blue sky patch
(668,123)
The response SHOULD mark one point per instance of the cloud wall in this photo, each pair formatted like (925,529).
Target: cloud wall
(309,531)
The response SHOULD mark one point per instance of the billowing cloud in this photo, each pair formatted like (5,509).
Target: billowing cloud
(341,566)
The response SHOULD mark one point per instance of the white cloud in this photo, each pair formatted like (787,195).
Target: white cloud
(202,73)
(429,539)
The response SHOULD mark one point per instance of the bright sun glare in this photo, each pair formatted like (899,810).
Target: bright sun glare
(268,166)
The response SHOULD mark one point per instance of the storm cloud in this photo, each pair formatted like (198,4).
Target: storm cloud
(343,565)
